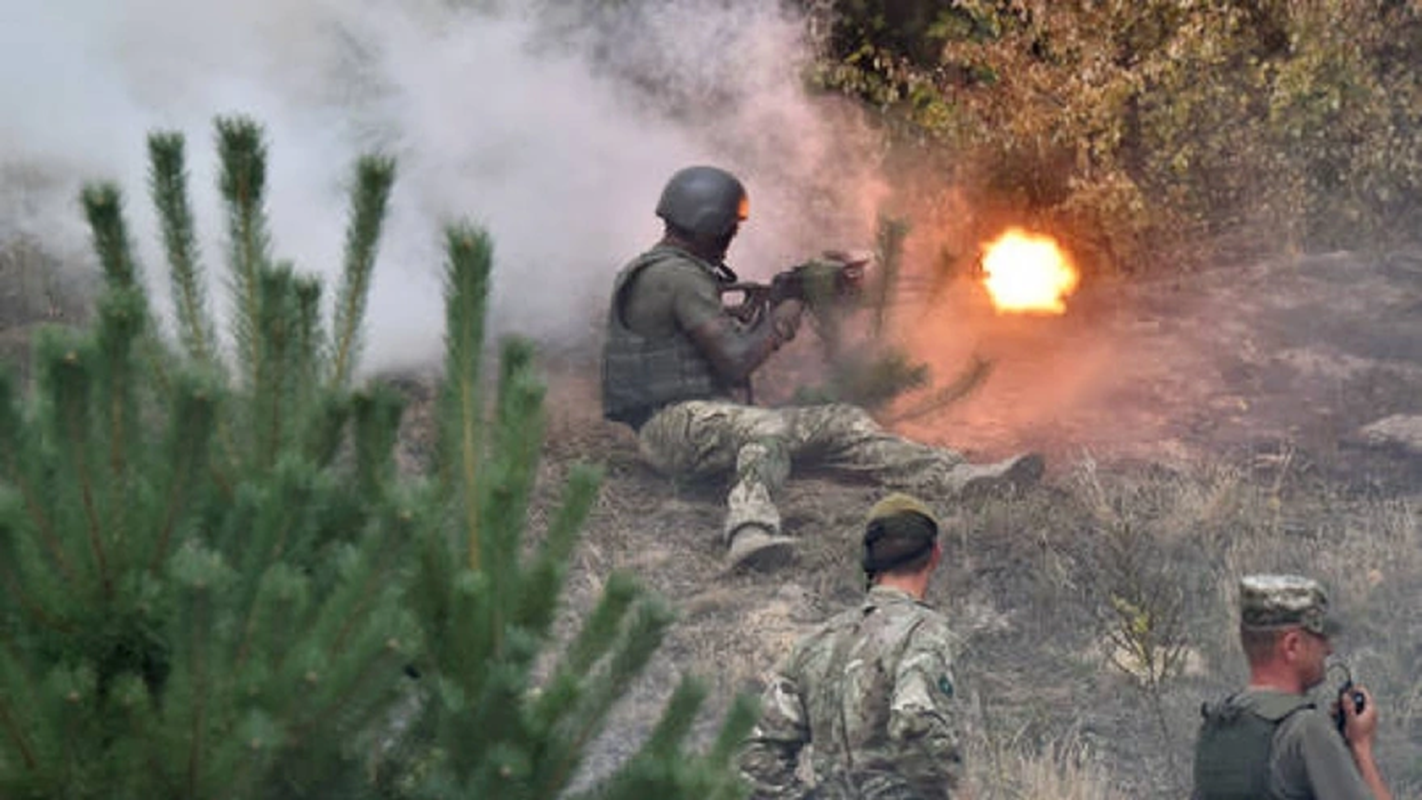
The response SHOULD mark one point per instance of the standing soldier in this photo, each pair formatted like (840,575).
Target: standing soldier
(676,361)
(873,689)
(1271,740)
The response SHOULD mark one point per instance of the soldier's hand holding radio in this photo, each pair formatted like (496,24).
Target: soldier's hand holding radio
(1356,714)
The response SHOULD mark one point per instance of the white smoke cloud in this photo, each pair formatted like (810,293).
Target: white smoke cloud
(554,125)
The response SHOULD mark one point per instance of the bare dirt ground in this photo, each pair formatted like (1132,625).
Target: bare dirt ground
(1299,351)
(1197,428)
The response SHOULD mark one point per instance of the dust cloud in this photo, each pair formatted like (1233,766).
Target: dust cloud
(554,124)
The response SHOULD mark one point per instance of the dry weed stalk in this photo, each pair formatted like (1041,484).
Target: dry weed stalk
(1143,609)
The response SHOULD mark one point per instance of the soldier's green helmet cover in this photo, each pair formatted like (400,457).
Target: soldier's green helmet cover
(707,202)
(898,529)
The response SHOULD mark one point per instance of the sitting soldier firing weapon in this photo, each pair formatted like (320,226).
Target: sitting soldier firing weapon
(677,363)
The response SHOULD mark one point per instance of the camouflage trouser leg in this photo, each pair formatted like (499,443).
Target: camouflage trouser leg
(846,439)
(700,438)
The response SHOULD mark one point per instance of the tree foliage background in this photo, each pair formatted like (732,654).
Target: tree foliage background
(1147,129)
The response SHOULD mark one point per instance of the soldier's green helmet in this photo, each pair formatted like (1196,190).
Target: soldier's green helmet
(706,202)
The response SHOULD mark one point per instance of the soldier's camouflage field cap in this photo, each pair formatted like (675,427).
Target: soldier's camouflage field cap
(1271,602)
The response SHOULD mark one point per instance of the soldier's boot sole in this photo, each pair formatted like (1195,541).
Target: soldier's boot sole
(754,547)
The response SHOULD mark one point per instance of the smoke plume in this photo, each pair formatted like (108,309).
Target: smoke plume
(554,124)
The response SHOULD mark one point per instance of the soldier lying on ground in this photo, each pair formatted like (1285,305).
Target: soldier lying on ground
(676,362)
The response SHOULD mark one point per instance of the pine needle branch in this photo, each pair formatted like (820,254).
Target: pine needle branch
(641,639)
(597,637)
(304,356)
(377,422)
(511,468)
(374,177)
(537,604)
(103,205)
(73,386)
(366,597)
(243,155)
(599,631)
(384,662)
(31,606)
(188,448)
(680,712)
(275,336)
(649,623)
(13,448)
(661,768)
(470,259)
(7,721)
(168,181)
(117,328)
(45,527)
(198,718)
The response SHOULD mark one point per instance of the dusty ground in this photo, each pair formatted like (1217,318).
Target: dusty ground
(1296,351)
(1198,428)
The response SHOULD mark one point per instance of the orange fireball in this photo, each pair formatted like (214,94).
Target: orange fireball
(1026,272)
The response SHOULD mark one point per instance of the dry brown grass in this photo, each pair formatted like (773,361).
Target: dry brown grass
(1065,770)
(1190,535)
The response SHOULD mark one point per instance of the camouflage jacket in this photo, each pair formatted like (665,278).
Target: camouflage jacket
(873,692)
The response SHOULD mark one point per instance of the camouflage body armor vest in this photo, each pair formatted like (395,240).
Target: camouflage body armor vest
(641,374)
(1233,750)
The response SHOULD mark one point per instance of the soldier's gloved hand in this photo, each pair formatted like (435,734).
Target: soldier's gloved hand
(785,319)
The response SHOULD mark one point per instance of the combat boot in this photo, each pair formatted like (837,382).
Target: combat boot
(978,480)
(757,547)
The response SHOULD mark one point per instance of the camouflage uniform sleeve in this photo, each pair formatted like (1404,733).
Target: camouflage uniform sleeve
(769,757)
(925,714)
